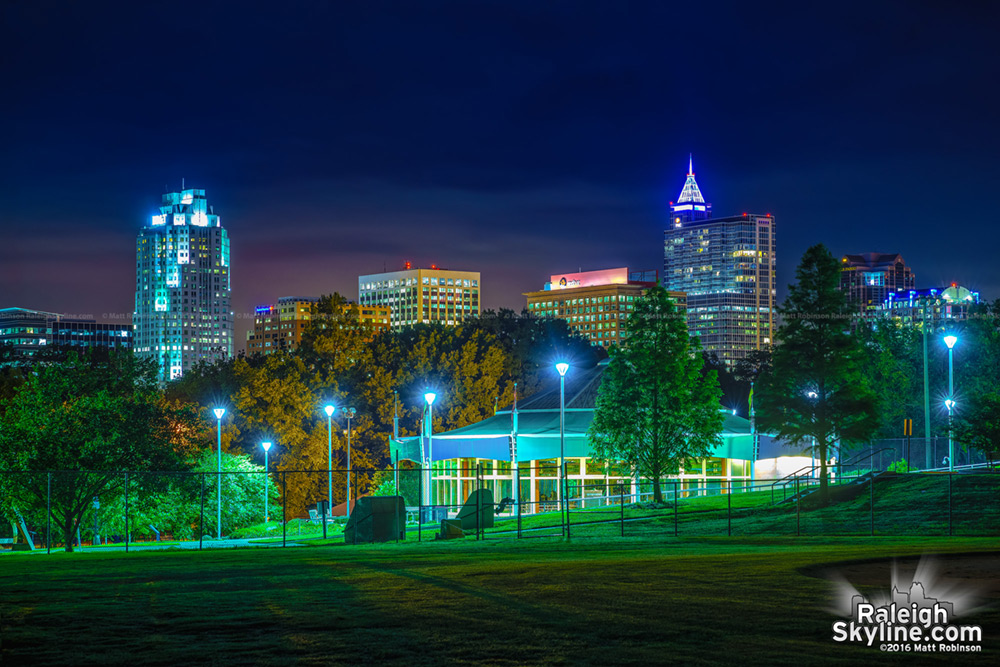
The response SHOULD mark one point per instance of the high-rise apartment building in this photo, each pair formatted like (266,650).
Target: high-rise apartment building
(422,295)
(868,278)
(183,286)
(595,304)
(726,266)
(279,326)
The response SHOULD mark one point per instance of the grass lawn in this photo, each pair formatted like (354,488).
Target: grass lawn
(648,601)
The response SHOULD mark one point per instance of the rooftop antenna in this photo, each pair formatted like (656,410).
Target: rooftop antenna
(182,182)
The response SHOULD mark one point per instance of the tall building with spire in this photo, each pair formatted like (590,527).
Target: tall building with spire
(182,286)
(727,268)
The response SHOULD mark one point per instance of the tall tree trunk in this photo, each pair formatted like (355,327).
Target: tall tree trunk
(657,492)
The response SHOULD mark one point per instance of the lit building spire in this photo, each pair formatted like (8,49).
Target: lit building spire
(690,193)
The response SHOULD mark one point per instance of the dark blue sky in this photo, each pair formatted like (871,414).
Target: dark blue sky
(519,139)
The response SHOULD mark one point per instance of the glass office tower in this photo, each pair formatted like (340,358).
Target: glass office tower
(727,268)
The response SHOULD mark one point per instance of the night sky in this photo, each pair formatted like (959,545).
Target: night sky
(519,139)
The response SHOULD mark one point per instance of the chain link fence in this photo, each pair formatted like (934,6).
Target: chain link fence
(94,510)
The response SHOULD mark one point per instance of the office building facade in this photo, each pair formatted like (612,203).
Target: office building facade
(416,296)
(727,268)
(595,304)
(279,326)
(183,286)
(26,332)
(868,278)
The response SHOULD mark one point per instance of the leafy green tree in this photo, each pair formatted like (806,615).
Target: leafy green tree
(93,416)
(655,408)
(816,391)
(893,368)
(977,424)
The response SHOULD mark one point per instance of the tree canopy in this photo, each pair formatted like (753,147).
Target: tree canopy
(655,407)
(815,391)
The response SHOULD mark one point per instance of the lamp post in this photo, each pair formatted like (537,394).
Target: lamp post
(349,414)
(329,409)
(219,412)
(950,403)
(562,367)
(429,397)
(266,446)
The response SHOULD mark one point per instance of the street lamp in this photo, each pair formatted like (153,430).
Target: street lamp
(219,412)
(349,414)
(950,403)
(429,397)
(562,367)
(266,446)
(329,409)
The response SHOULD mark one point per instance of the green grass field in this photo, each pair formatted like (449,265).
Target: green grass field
(691,601)
(650,598)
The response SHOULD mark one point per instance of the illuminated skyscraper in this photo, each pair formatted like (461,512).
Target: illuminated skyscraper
(727,268)
(182,286)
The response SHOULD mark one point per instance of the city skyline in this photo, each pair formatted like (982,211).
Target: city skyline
(554,144)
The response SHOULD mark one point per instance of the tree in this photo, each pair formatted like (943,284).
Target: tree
(815,391)
(655,409)
(978,424)
(94,416)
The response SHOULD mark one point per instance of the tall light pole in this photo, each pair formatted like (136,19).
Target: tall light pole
(219,412)
(950,403)
(429,397)
(562,367)
(349,414)
(266,446)
(329,409)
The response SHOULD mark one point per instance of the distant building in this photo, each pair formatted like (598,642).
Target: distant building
(595,304)
(727,268)
(422,295)
(28,332)
(868,278)
(280,326)
(939,307)
(182,286)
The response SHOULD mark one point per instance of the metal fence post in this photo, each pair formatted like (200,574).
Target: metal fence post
(420,504)
(729,508)
(284,509)
(48,509)
(798,510)
(949,505)
(621,504)
(479,499)
(126,511)
(675,508)
(871,504)
(201,522)
(566,498)
(517,480)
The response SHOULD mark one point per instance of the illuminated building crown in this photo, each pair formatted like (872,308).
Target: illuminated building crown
(691,204)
